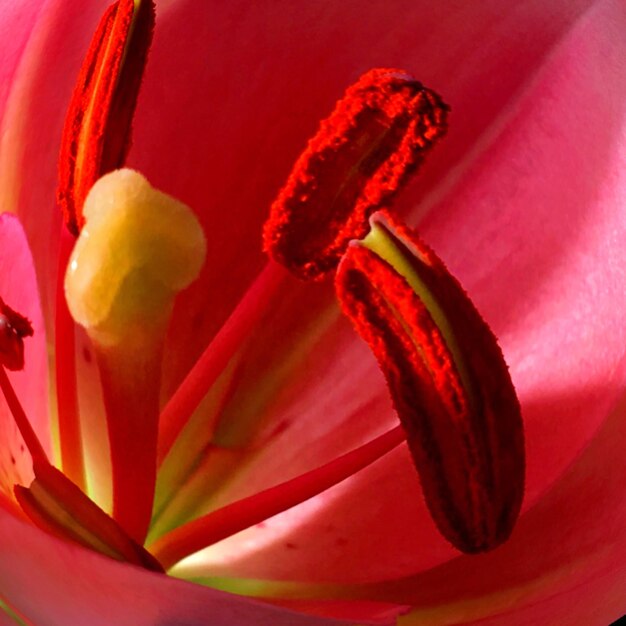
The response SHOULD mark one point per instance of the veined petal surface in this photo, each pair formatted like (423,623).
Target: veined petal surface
(528,193)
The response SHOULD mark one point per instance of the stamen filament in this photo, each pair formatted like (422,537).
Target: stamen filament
(216,356)
(235,517)
(31,440)
(16,617)
(70,440)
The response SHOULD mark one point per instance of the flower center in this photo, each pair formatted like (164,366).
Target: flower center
(136,248)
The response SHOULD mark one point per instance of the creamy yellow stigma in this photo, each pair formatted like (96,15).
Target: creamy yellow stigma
(138,248)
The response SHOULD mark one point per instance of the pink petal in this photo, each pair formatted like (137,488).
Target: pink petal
(532,208)
(16,23)
(53,582)
(481,61)
(598,601)
(569,548)
(532,227)
(31,127)
(226,145)
(18,287)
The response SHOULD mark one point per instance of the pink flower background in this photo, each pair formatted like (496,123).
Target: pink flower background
(524,200)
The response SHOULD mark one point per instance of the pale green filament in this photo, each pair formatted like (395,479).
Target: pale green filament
(138,248)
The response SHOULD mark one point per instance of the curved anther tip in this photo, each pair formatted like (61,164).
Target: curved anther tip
(378,134)
(449,382)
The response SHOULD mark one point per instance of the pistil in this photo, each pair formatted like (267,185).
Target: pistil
(96,140)
(137,249)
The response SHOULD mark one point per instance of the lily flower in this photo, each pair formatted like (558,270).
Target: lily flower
(274,431)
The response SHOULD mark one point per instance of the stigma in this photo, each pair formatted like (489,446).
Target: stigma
(138,249)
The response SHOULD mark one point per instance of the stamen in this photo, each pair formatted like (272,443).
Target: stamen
(21,420)
(217,355)
(448,380)
(97,132)
(59,507)
(138,248)
(233,386)
(190,463)
(378,134)
(245,513)
(13,328)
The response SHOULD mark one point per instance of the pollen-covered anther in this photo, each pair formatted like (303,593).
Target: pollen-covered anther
(97,132)
(379,132)
(138,248)
(448,380)
(13,328)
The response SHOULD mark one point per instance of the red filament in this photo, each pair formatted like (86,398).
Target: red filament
(242,514)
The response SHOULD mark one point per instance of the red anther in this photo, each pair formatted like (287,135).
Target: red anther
(13,328)
(450,385)
(97,132)
(379,132)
